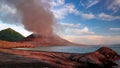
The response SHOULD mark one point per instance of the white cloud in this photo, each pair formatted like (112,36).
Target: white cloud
(64,11)
(71,29)
(70,9)
(9,14)
(61,13)
(70,24)
(114,5)
(107,17)
(88,16)
(93,39)
(92,3)
(57,2)
(78,31)
(115,29)
(67,28)
(88,3)
(6,8)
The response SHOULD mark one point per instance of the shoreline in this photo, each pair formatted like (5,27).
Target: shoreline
(103,57)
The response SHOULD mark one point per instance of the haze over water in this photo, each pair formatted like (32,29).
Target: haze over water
(71,49)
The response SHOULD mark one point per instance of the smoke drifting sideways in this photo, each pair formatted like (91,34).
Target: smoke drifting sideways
(35,15)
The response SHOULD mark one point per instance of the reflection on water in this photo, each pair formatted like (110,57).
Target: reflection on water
(71,49)
(68,49)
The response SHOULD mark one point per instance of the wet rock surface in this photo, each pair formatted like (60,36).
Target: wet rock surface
(102,58)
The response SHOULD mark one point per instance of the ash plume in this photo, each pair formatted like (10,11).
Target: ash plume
(36,15)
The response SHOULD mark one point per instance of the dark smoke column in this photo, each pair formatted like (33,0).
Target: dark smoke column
(36,14)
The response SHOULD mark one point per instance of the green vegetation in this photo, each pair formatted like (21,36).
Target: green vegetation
(10,35)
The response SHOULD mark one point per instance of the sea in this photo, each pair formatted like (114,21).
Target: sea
(74,49)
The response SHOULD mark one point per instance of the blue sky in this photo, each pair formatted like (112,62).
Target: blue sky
(79,21)
(91,21)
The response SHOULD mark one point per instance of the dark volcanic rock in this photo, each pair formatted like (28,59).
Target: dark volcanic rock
(102,58)
(14,61)
(108,53)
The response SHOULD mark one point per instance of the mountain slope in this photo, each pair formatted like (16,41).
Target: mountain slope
(10,35)
(6,44)
(53,40)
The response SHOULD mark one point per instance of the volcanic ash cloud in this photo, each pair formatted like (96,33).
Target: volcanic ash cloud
(36,15)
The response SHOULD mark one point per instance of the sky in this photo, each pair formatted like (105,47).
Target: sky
(93,22)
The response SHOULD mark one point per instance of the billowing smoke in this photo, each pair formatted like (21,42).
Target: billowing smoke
(36,15)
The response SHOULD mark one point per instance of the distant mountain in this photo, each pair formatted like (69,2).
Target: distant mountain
(10,35)
(53,40)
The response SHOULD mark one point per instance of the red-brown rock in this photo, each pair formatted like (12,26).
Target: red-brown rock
(102,58)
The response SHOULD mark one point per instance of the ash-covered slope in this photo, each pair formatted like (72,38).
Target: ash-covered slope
(53,40)
(7,44)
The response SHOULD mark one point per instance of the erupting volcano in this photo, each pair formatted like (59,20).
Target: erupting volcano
(37,17)
(46,41)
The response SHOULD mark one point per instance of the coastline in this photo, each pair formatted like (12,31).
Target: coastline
(101,58)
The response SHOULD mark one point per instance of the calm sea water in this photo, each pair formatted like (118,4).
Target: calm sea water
(74,49)
(71,49)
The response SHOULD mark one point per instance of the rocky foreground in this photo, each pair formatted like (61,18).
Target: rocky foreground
(102,58)
(14,61)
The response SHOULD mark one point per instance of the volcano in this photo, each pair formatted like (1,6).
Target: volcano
(53,40)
